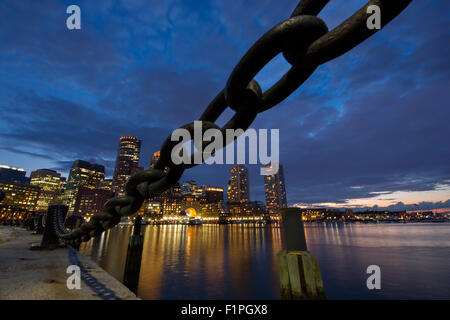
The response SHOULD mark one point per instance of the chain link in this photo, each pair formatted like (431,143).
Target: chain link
(304,41)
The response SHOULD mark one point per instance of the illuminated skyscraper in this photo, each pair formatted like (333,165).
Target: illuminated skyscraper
(82,174)
(106,185)
(239,186)
(126,162)
(154,159)
(275,192)
(51,184)
(85,174)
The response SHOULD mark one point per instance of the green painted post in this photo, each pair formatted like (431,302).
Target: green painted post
(300,277)
(283,271)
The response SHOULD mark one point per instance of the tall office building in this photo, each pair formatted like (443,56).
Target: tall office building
(13,174)
(126,162)
(51,184)
(154,159)
(106,185)
(239,185)
(83,174)
(275,192)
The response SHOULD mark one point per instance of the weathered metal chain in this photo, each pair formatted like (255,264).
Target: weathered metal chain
(304,41)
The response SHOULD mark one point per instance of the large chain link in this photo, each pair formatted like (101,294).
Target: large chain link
(304,41)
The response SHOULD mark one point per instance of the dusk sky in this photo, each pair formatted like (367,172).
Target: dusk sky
(369,128)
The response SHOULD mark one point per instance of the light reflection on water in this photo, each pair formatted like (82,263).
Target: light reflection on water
(239,261)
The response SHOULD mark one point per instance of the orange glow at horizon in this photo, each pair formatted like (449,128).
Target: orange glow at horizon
(385,199)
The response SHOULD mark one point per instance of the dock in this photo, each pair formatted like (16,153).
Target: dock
(42,275)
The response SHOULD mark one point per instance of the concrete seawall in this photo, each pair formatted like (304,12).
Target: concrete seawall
(41,275)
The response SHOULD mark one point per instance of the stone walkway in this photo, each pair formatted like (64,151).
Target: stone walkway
(41,275)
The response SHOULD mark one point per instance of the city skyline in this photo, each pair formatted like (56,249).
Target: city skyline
(351,143)
(422,206)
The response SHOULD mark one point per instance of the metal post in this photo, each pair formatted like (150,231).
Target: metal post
(39,224)
(134,257)
(49,239)
(2,196)
(293,231)
(299,270)
(31,225)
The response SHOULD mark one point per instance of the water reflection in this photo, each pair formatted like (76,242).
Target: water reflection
(210,261)
(239,261)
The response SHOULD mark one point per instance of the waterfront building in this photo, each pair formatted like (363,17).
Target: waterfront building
(186,201)
(188,187)
(13,174)
(213,211)
(20,200)
(85,174)
(82,174)
(51,185)
(90,201)
(106,185)
(313,214)
(239,185)
(275,192)
(254,210)
(152,210)
(126,162)
(213,194)
(172,207)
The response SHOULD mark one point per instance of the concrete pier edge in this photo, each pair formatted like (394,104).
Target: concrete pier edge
(42,275)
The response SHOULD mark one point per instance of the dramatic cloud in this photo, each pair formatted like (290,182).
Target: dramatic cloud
(371,125)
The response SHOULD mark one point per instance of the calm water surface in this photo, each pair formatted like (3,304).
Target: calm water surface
(239,261)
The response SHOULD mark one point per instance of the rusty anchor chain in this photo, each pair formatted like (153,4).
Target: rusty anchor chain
(304,41)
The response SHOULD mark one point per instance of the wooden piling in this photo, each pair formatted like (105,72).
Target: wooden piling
(300,277)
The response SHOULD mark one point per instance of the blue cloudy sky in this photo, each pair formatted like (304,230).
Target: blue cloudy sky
(369,128)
